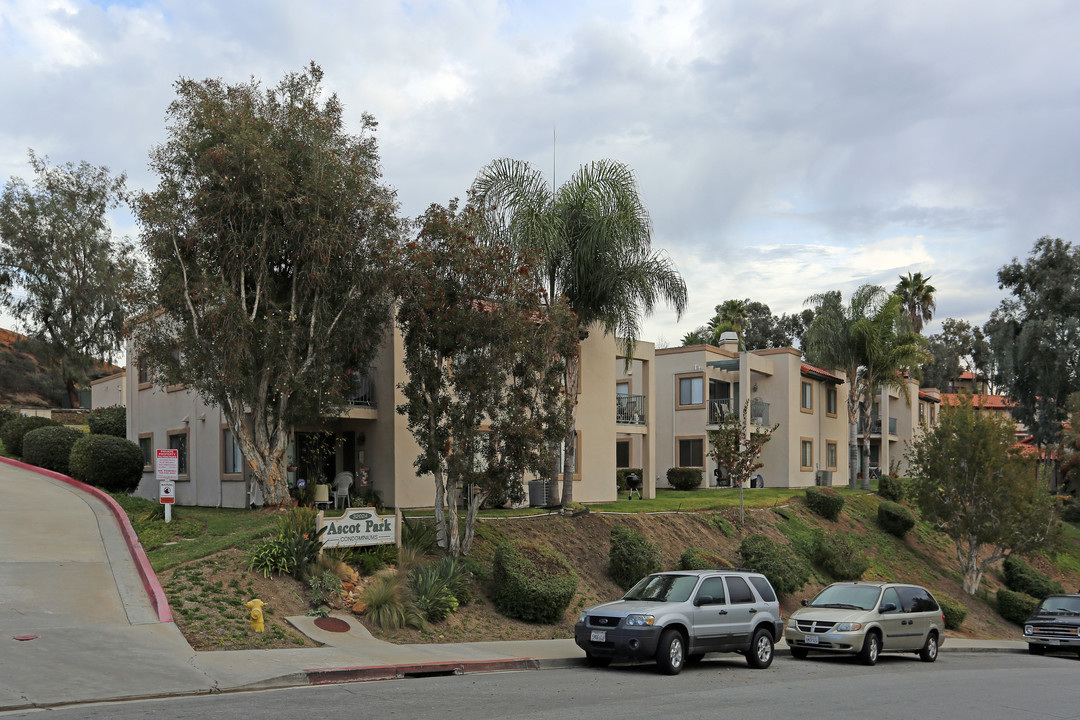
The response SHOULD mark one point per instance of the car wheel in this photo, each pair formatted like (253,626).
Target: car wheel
(694,658)
(870,648)
(929,648)
(760,654)
(671,653)
(596,660)
(1036,649)
(799,653)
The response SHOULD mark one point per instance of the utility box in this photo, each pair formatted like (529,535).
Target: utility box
(823,478)
(538,493)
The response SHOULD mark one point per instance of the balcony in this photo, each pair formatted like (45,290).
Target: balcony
(718,410)
(759,412)
(630,409)
(363,395)
(875,425)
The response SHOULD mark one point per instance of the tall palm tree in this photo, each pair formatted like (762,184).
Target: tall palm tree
(835,340)
(917,295)
(594,237)
(730,315)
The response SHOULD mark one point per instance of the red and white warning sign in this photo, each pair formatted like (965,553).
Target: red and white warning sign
(167,492)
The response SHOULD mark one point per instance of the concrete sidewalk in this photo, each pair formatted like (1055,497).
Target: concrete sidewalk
(78,623)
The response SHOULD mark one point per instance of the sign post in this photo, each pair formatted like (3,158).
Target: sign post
(166,471)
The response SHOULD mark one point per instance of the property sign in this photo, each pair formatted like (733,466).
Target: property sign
(167,463)
(167,492)
(359,527)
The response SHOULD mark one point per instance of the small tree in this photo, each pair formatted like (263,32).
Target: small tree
(737,449)
(980,491)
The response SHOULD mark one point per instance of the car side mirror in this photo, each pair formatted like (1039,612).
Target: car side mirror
(887,607)
(804,602)
(703,600)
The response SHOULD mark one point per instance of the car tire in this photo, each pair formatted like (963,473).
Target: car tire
(871,647)
(760,654)
(1036,649)
(799,653)
(930,648)
(597,661)
(671,652)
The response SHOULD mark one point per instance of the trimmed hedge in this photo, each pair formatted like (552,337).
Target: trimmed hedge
(13,431)
(110,463)
(532,583)
(108,421)
(954,612)
(891,488)
(824,501)
(684,478)
(894,518)
(1021,577)
(620,477)
(1014,606)
(695,559)
(50,447)
(784,569)
(840,555)
(631,557)
(7,415)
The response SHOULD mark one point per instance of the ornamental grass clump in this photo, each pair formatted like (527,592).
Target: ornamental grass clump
(389,604)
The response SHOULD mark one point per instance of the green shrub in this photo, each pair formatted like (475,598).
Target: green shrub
(50,447)
(110,463)
(1021,577)
(7,414)
(13,431)
(270,557)
(954,612)
(894,518)
(684,478)
(324,587)
(840,555)
(1071,513)
(431,592)
(825,502)
(631,557)
(389,604)
(717,522)
(532,583)
(372,559)
(891,488)
(784,569)
(620,477)
(110,420)
(1015,607)
(694,559)
(419,534)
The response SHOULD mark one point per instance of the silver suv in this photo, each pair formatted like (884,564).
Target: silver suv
(676,617)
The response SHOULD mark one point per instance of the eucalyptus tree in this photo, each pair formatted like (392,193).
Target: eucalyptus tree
(918,298)
(269,237)
(594,236)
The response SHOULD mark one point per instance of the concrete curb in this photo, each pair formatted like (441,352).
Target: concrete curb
(146,573)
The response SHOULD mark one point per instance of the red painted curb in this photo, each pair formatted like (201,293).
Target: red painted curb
(149,579)
(326,676)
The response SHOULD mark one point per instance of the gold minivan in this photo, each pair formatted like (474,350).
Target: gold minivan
(866,619)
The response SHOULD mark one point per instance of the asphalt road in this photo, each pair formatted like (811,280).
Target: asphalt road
(958,686)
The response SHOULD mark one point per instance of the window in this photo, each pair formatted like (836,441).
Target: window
(232,459)
(714,588)
(560,459)
(922,413)
(830,455)
(692,391)
(890,596)
(830,402)
(932,421)
(622,388)
(806,456)
(916,599)
(622,453)
(807,397)
(144,373)
(146,444)
(691,452)
(739,591)
(764,589)
(178,442)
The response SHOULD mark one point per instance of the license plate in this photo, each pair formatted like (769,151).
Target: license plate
(811,640)
(1053,642)
(598,636)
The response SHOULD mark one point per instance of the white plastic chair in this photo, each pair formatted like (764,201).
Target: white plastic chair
(342,482)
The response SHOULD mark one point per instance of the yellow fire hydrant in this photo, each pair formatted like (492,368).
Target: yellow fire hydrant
(256,607)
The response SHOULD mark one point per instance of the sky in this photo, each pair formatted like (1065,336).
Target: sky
(783,149)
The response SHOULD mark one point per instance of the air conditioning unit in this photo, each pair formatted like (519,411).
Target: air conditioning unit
(823,478)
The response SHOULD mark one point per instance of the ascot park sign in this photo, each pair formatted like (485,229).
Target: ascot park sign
(359,527)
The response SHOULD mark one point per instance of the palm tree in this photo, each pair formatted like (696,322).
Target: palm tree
(834,340)
(917,295)
(730,315)
(594,237)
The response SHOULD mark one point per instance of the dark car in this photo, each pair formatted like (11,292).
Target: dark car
(1055,625)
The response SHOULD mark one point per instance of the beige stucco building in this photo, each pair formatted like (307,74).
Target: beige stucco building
(896,419)
(371,435)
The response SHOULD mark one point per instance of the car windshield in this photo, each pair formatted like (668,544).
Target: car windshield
(1062,604)
(663,588)
(854,597)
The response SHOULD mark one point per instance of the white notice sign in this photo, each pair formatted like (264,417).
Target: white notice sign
(167,462)
(167,491)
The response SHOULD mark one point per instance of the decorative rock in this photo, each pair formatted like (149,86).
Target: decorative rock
(359,608)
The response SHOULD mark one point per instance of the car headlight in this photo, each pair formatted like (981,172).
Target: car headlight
(1028,630)
(848,627)
(791,624)
(582,616)
(634,620)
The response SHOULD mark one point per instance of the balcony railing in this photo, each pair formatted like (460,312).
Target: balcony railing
(363,390)
(759,412)
(630,409)
(718,410)
(875,425)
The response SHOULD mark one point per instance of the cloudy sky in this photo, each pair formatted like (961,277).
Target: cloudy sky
(783,148)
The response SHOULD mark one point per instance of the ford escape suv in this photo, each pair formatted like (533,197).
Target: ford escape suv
(676,617)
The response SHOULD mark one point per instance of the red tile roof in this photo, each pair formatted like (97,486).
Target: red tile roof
(820,374)
(990,402)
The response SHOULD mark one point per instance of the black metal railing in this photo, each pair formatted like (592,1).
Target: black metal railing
(630,409)
(363,394)
(719,409)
